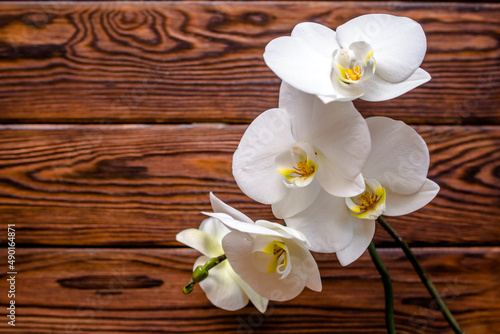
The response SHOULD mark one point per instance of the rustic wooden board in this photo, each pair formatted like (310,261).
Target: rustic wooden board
(139,290)
(125,180)
(183,61)
(141,184)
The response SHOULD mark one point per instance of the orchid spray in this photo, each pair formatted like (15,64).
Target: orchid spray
(323,168)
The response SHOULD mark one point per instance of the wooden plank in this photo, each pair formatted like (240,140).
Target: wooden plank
(202,62)
(139,290)
(141,184)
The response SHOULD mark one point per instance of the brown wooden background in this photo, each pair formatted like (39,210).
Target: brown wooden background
(117,119)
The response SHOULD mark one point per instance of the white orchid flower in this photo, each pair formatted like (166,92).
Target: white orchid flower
(374,57)
(223,287)
(273,259)
(287,155)
(396,184)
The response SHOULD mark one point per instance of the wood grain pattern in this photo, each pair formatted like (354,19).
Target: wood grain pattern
(183,61)
(140,185)
(98,187)
(115,296)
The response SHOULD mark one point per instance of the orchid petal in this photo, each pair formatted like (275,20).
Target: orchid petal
(254,161)
(221,207)
(238,249)
(343,92)
(362,50)
(214,228)
(363,234)
(221,289)
(326,224)
(257,300)
(286,231)
(322,39)
(236,225)
(399,43)
(206,239)
(342,140)
(299,106)
(293,60)
(296,200)
(378,89)
(336,183)
(397,204)
(307,265)
(399,158)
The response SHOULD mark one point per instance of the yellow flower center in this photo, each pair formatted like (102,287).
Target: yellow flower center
(353,74)
(371,203)
(299,174)
(298,165)
(368,200)
(279,256)
(305,168)
(355,64)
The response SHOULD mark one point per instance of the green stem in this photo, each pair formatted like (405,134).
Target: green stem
(201,272)
(214,261)
(386,279)
(423,276)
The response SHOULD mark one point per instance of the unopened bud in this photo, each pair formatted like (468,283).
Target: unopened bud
(199,274)
(189,287)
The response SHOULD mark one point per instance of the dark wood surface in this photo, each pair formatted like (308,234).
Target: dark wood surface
(137,290)
(196,62)
(139,185)
(117,119)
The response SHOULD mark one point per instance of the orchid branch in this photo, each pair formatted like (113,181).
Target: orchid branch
(422,274)
(201,272)
(386,279)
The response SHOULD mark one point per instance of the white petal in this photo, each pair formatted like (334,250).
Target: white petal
(295,61)
(238,249)
(399,43)
(364,58)
(344,92)
(221,289)
(341,137)
(285,231)
(236,225)
(299,106)
(254,161)
(214,228)
(364,230)
(326,224)
(257,300)
(327,99)
(320,38)
(221,207)
(296,200)
(378,89)
(397,204)
(204,242)
(306,265)
(336,183)
(361,51)
(399,159)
